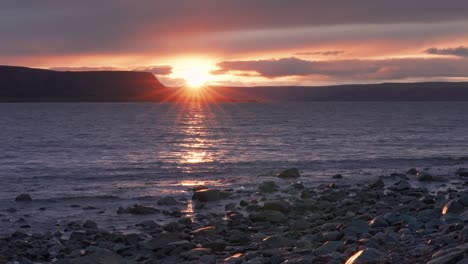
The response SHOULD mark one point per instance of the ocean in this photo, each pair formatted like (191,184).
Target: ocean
(72,155)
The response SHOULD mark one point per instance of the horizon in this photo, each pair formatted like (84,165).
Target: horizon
(266,43)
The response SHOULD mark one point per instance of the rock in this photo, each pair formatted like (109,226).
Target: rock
(23,198)
(329,247)
(273,242)
(462,172)
(355,228)
(208,259)
(424,176)
(378,221)
(100,256)
(195,253)
(168,201)
(289,173)
(207,195)
(378,184)
(412,171)
(332,236)
(148,224)
(90,225)
(402,185)
(268,216)
(337,176)
(453,207)
(368,255)
(268,187)
(78,236)
(161,241)
(277,205)
(449,255)
(463,200)
(138,210)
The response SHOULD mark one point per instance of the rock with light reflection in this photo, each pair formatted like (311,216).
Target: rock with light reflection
(453,207)
(368,255)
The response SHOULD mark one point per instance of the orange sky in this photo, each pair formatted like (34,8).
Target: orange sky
(243,43)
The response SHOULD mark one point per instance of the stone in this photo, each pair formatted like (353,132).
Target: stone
(207,195)
(161,241)
(195,253)
(463,200)
(100,256)
(290,173)
(148,224)
(368,255)
(268,187)
(462,172)
(402,185)
(424,176)
(78,236)
(378,221)
(332,236)
(449,255)
(273,242)
(412,171)
(138,210)
(378,184)
(329,247)
(337,176)
(277,205)
(356,227)
(268,216)
(168,201)
(90,225)
(453,207)
(23,198)
(208,259)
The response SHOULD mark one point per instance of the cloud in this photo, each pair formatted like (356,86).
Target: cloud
(460,51)
(353,70)
(320,53)
(157,70)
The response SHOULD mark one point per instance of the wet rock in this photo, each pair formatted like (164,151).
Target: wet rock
(168,201)
(23,198)
(378,184)
(148,224)
(277,205)
(290,173)
(463,200)
(462,172)
(268,216)
(138,210)
(208,195)
(449,255)
(90,225)
(195,253)
(268,187)
(412,171)
(337,176)
(208,259)
(378,221)
(332,236)
(329,247)
(161,241)
(100,256)
(453,207)
(78,236)
(402,185)
(356,228)
(368,255)
(273,242)
(424,176)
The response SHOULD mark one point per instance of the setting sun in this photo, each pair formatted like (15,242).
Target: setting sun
(194,72)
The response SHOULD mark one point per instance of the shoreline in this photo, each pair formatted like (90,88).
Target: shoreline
(386,220)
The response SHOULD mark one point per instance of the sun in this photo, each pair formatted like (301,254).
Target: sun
(195,72)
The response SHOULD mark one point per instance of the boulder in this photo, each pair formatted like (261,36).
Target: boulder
(277,205)
(332,236)
(402,185)
(100,256)
(356,228)
(412,171)
(424,176)
(208,195)
(368,255)
(268,187)
(378,221)
(337,176)
(90,225)
(268,216)
(23,198)
(290,173)
(453,207)
(449,255)
(378,184)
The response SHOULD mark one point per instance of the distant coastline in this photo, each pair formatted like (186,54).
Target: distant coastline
(21,84)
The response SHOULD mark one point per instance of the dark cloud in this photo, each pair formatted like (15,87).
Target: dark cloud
(110,26)
(356,70)
(157,70)
(320,53)
(460,51)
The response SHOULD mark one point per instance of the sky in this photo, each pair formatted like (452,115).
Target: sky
(243,42)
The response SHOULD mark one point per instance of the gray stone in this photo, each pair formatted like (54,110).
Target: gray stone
(168,201)
(148,224)
(453,207)
(208,195)
(268,187)
(332,236)
(161,241)
(273,242)
(23,198)
(424,176)
(277,205)
(290,173)
(368,255)
(378,184)
(90,225)
(449,255)
(402,185)
(138,210)
(329,247)
(378,221)
(356,227)
(100,256)
(268,216)
(412,171)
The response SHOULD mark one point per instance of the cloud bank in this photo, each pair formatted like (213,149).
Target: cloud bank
(460,51)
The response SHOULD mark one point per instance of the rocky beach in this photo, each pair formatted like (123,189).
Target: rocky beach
(396,218)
